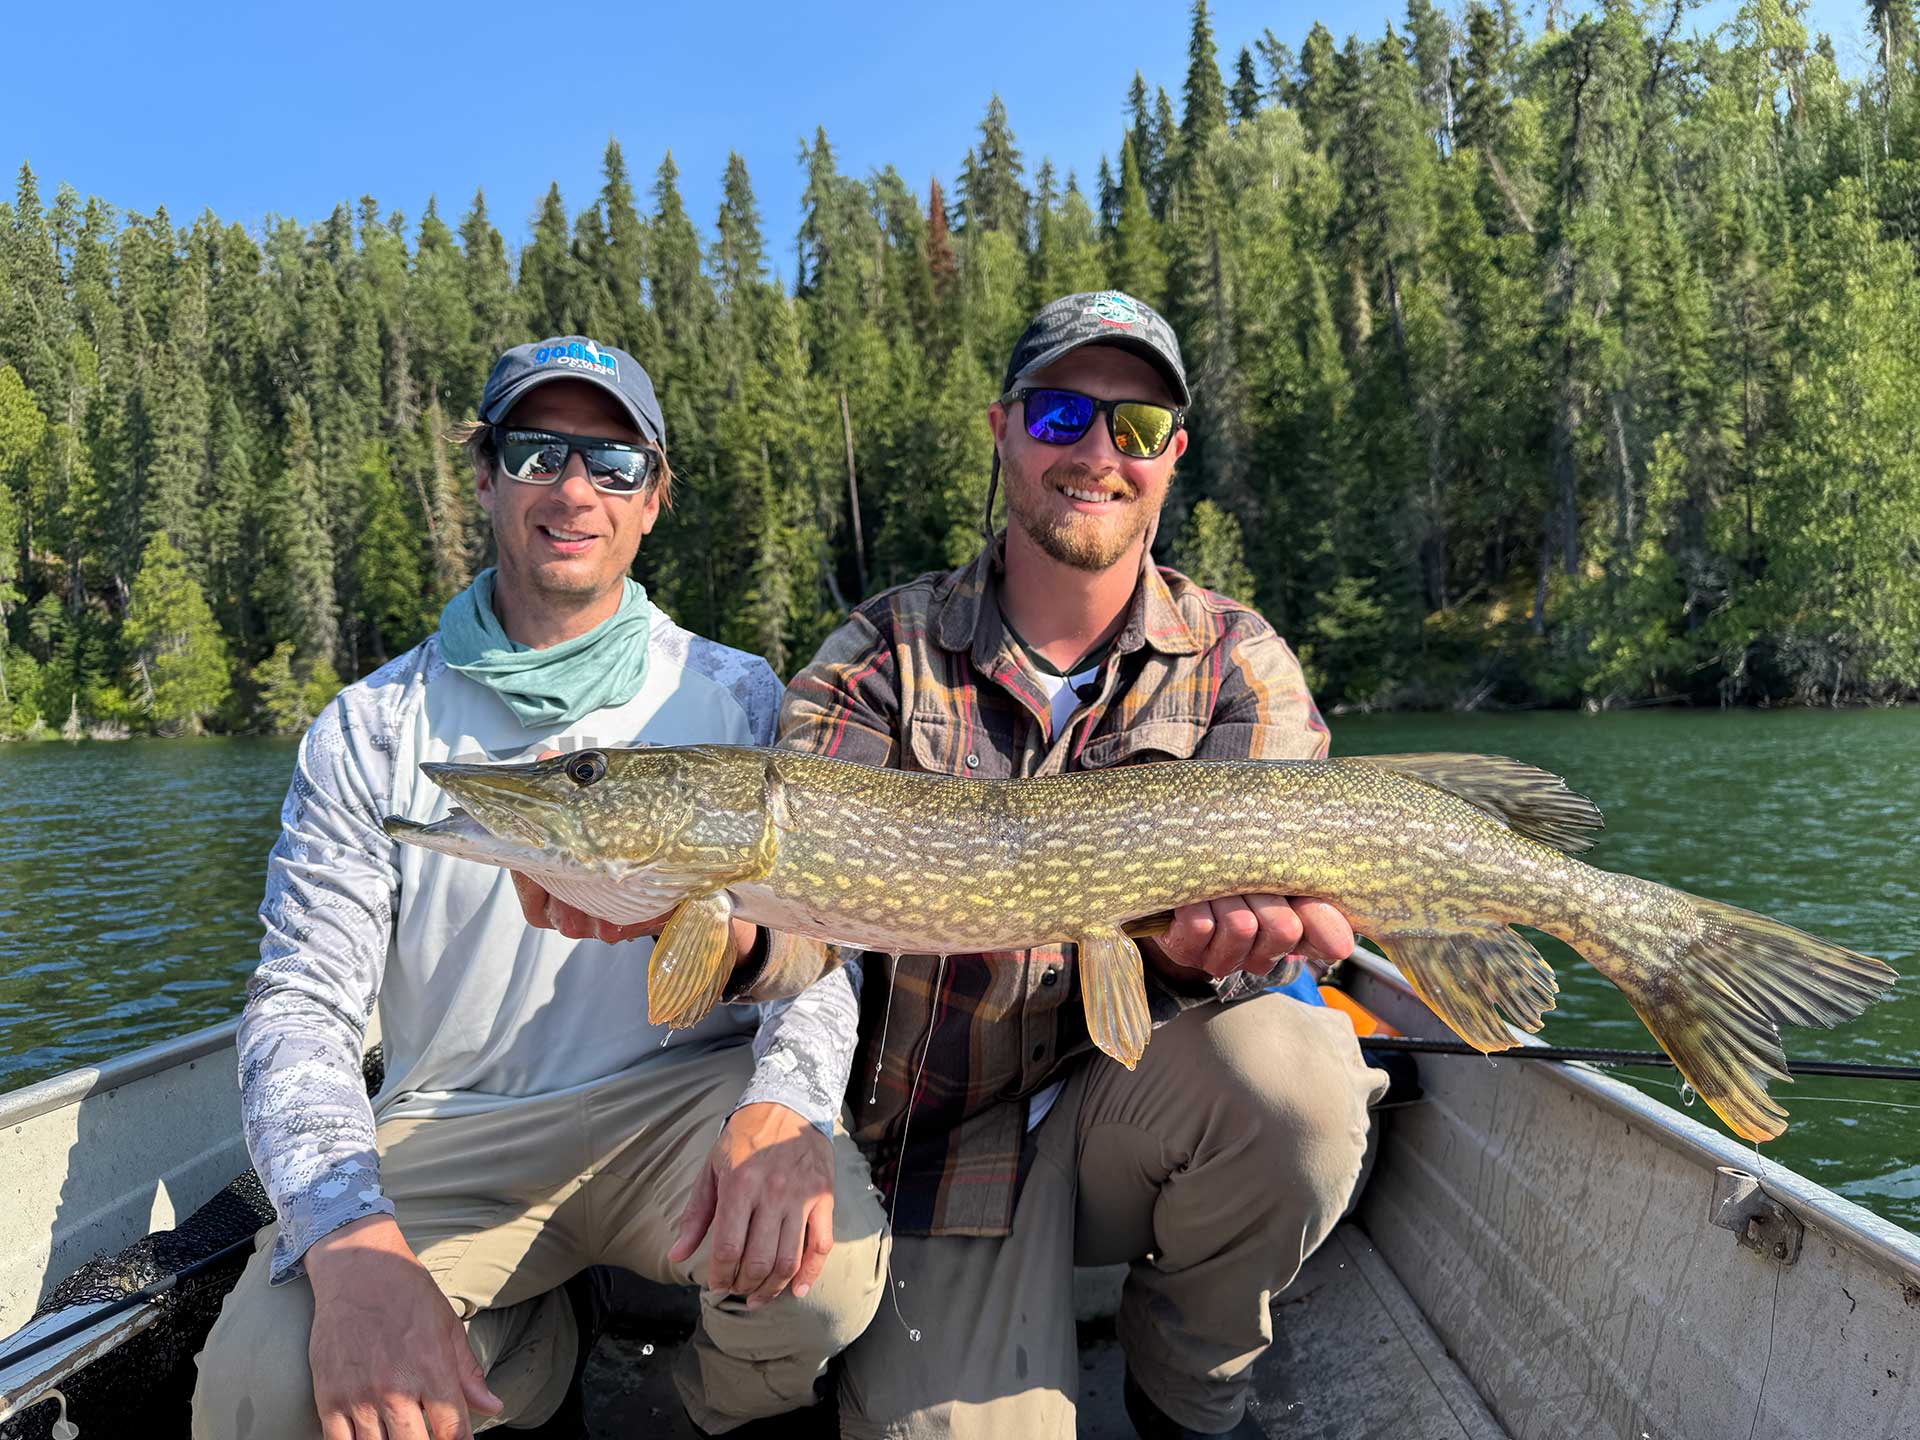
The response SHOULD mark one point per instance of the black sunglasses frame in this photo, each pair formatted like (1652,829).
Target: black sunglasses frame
(583,446)
(1178,413)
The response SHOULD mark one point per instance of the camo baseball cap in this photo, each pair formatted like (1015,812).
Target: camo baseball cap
(1102,317)
(573,357)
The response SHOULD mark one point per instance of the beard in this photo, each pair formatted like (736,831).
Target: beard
(1085,542)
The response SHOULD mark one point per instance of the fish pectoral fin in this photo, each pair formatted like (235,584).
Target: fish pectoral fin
(689,965)
(1468,977)
(1532,802)
(1113,990)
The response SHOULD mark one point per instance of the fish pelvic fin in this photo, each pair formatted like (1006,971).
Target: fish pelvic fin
(1531,802)
(1476,980)
(688,969)
(1113,991)
(1716,1008)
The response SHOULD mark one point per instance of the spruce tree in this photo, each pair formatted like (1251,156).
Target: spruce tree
(177,660)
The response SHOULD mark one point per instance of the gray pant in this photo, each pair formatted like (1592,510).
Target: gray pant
(1214,1170)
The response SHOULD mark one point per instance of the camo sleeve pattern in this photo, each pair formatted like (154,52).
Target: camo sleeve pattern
(803,1051)
(328,910)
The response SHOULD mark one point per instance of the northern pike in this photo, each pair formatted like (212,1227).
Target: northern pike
(1431,856)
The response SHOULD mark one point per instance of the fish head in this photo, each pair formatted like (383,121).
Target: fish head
(608,812)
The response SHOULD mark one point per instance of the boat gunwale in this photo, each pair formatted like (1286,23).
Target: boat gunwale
(71,1086)
(1881,1242)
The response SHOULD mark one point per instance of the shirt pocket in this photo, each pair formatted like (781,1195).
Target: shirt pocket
(1160,737)
(941,745)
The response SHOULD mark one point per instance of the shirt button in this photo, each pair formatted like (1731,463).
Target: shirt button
(1051,976)
(1039,1052)
(973,762)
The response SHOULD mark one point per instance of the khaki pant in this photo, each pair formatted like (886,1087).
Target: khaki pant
(1214,1168)
(505,1207)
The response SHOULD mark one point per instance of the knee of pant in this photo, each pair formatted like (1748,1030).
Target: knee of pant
(841,1304)
(257,1403)
(1292,1075)
(244,1392)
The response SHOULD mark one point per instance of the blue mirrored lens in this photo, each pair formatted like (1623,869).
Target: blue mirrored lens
(1058,417)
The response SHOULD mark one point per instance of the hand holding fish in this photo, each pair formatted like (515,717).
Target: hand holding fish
(765,1195)
(1251,933)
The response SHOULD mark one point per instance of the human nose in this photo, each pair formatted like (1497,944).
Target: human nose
(573,484)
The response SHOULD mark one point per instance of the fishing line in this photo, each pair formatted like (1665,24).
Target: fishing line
(906,1128)
(1593,1055)
(886,1018)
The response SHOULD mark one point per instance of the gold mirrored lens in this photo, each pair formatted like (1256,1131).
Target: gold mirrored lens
(1141,430)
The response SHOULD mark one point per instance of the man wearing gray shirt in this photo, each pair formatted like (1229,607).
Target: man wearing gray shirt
(531,1123)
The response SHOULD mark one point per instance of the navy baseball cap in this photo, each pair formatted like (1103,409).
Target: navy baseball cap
(1101,317)
(573,357)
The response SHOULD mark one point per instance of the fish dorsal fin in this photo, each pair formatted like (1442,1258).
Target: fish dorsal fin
(1532,802)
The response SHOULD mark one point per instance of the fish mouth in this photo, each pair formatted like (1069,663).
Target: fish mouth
(513,802)
(458,834)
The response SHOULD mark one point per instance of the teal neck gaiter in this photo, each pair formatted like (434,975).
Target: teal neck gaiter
(557,685)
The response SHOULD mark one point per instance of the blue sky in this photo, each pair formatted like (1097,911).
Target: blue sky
(268,109)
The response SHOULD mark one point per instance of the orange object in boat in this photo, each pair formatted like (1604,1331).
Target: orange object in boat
(1365,1022)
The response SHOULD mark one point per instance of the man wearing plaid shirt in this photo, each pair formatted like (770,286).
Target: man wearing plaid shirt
(1009,1149)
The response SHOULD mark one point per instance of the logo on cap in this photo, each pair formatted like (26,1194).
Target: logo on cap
(576,356)
(1113,308)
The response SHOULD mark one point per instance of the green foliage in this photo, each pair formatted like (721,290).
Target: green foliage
(176,658)
(1571,367)
(1211,552)
(291,693)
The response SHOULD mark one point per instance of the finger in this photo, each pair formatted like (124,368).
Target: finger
(1278,934)
(1326,934)
(695,1219)
(336,1425)
(402,1418)
(473,1380)
(573,923)
(763,1250)
(366,1423)
(787,1251)
(1234,930)
(447,1421)
(731,1215)
(1189,934)
(533,900)
(819,1245)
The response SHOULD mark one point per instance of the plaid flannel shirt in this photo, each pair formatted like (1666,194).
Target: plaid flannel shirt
(927,677)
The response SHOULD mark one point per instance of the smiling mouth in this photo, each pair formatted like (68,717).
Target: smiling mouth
(1076,492)
(565,537)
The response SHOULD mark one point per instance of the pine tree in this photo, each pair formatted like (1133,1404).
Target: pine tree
(1205,93)
(549,274)
(1136,263)
(1211,552)
(991,194)
(296,584)
(1244,98)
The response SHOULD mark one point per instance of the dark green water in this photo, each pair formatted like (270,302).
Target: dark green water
(129,875)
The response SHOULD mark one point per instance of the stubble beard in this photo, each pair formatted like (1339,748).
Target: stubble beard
(1085,542)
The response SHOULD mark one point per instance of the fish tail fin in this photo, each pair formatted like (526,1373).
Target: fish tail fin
(1476,979)
(1716,1008)
(1113,992)
(688,969)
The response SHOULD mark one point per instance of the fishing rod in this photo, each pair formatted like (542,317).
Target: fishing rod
(120,1305)
(1415,1045)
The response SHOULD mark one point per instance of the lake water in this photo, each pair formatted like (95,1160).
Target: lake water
(129,875)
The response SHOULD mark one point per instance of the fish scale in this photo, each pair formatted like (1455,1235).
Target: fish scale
(1431,856)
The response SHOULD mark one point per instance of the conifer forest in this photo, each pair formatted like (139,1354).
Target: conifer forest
(1572,363)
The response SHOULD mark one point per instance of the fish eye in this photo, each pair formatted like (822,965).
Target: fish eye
(586,767)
